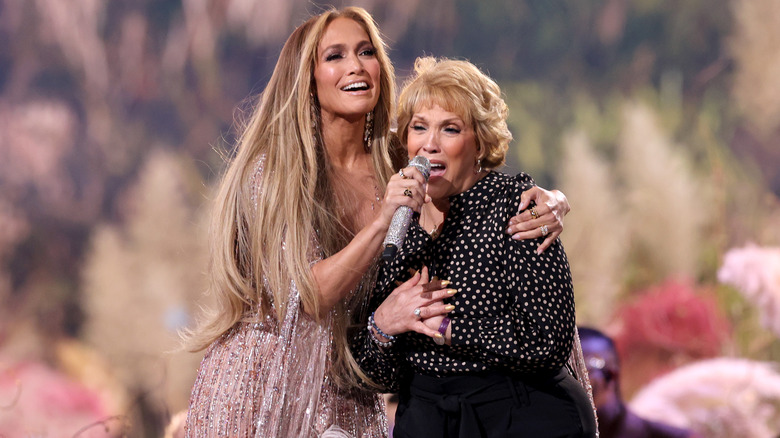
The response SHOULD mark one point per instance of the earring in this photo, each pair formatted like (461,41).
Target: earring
(368,131)
(479,167)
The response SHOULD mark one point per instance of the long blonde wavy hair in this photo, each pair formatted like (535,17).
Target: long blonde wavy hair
(248,268)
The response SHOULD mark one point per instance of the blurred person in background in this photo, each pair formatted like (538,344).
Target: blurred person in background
(299,220)
(615,418)
(507,331)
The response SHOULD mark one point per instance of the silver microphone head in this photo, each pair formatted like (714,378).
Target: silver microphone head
(422,164)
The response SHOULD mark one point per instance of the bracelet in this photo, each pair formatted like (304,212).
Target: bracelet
(376,340)
(442,330)
(372,324)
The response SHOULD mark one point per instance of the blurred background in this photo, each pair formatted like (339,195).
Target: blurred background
(660,120)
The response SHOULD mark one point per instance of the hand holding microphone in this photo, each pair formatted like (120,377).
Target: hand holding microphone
(399,225)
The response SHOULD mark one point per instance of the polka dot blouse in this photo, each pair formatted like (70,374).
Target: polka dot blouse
(514,310)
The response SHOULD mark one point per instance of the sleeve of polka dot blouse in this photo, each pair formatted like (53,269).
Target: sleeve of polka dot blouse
(381,365)
(535,331)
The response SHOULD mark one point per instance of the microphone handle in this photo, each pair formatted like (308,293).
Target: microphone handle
(399,224)
(396,232)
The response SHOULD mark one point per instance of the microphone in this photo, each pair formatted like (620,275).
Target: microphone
(399,225)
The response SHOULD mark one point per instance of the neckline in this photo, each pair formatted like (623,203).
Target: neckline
(437,229)
(474,193)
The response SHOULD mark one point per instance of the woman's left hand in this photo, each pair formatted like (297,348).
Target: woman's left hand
(547,215)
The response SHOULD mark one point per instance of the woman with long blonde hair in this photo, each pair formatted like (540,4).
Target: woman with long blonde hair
(300,216)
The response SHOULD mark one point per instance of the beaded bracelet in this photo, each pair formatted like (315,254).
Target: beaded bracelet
(372,324)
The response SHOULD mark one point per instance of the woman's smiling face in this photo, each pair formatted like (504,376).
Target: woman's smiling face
(347,71)
(450,144)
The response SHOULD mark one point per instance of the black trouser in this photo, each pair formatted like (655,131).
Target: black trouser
(494,406)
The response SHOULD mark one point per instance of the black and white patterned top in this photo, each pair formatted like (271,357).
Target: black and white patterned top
(514,310)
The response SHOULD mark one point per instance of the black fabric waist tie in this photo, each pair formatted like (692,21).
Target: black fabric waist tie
(456,396)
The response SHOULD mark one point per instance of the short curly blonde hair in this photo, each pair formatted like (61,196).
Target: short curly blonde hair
(461,88)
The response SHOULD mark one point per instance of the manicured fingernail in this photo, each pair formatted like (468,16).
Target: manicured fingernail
(445,283)
(398,283)
(412,271)
(449,307)
(452,291)
(515,237)
(438,335)
(539,251)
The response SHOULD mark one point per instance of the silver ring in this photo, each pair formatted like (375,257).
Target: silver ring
(544,230)
(401,174)
(417,312)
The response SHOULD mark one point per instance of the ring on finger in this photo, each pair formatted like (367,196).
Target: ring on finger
(417,312)
(534,214)
(401,174)
(544,230)
(407,192)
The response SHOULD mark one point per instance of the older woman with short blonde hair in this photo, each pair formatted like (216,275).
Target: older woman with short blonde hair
(499,366)
(462,87)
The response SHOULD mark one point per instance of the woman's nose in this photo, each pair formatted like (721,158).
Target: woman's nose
(431,143)
(356,65)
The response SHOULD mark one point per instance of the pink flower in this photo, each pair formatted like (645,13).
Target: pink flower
(675,318)
(720,398)
(667,326)
(755,272)
(40,401)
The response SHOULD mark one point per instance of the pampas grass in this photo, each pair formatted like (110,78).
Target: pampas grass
(36,140)
(755,47)
(596,230)
(245,14)
(77,29)
(142,281)
(666,204)
(721,398)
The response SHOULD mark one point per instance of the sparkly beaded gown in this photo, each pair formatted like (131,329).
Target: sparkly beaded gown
(257,381)
(270,378)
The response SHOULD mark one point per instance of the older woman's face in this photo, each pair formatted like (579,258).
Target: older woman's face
(449,143)
(347,71)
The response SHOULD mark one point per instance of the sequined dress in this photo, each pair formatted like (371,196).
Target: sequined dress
(259,382)
(265,379)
